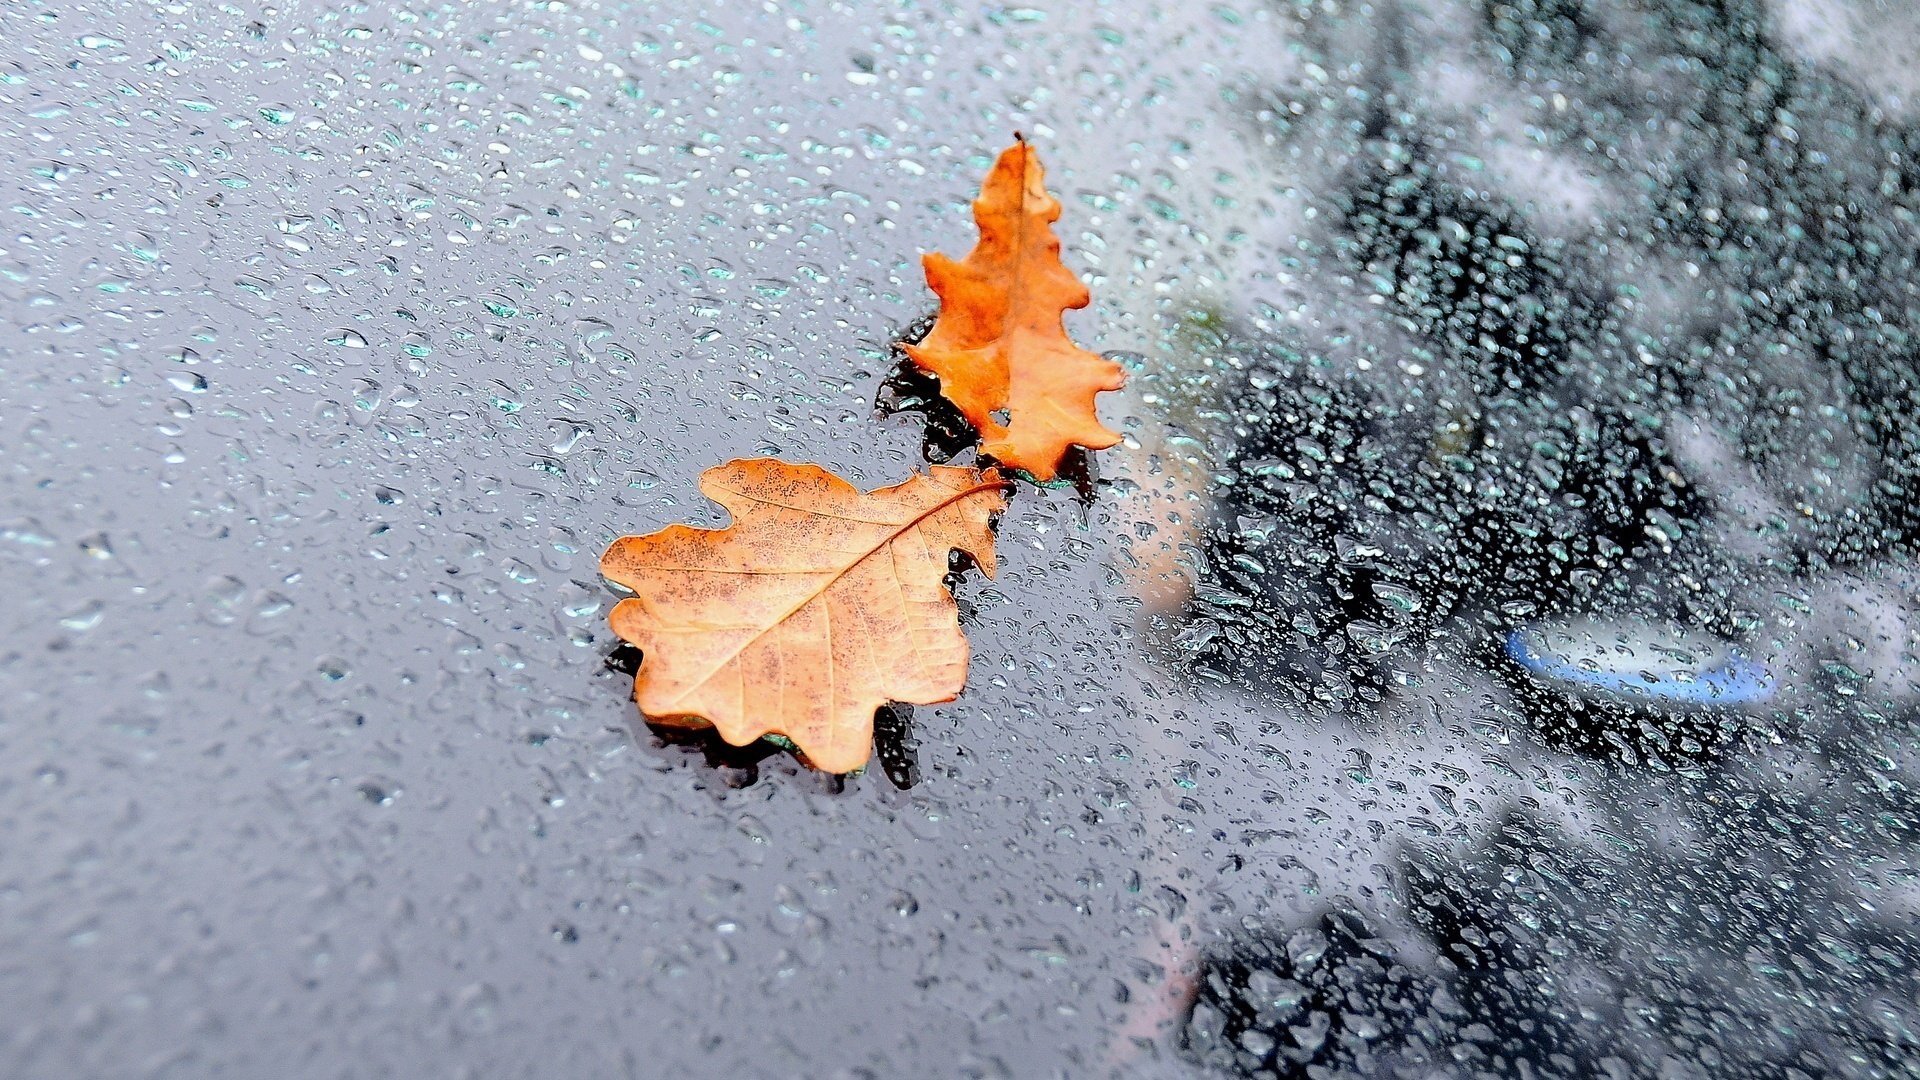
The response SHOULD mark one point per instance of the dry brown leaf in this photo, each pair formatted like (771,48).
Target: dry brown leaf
(818,605)
(999,345)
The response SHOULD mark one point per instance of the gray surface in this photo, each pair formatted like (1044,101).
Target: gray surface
(335,345)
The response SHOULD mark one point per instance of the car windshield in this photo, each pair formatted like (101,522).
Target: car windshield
(1486,648)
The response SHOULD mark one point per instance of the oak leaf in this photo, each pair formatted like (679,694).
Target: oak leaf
(818,605)
(999,345)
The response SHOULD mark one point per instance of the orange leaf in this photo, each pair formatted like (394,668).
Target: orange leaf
(999,342)
(818,605)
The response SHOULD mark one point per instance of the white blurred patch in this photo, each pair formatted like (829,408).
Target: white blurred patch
(1873,44)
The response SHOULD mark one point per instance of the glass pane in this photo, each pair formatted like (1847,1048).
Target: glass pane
(1491,651)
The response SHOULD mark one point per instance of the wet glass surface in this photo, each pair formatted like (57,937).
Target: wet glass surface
(1490,654)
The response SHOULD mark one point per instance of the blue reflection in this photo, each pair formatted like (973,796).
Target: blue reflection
(1736,680)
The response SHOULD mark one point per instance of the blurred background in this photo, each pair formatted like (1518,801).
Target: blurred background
(1491,654)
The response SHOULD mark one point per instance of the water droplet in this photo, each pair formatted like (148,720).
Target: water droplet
(85,617)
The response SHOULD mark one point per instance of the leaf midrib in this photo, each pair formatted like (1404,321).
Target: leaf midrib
(816,594)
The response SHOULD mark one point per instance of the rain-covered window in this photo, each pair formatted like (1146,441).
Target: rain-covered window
(1489,650)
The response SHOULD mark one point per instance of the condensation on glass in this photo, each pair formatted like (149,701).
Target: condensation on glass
(1491,653)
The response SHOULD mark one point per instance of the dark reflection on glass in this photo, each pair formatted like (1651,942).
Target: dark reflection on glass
(895,747)
(1079,471)
(1537,955)
(624,659)
(910,388)
(1329,994)
(1598,489)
